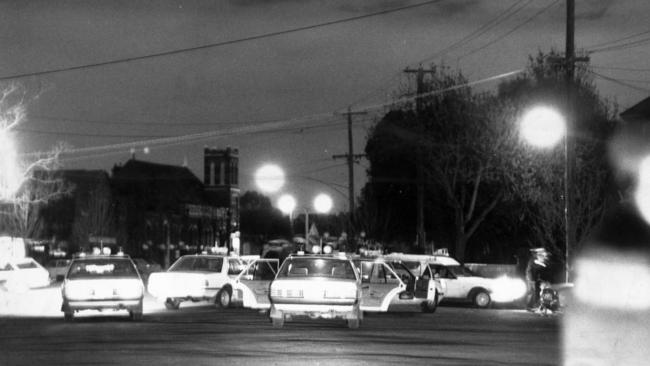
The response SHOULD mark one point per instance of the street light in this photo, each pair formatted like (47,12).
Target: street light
(287,204)
(269,178)
(544,127)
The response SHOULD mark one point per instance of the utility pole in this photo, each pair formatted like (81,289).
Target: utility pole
(569,140)
(419,77)
(351,159)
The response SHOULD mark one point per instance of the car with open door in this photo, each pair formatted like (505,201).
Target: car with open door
(391,286)
(251,287)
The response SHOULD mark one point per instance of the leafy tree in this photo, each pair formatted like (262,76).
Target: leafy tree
(464,142)
(260,219)
(541,178)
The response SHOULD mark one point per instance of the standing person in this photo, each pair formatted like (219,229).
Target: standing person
(536,264)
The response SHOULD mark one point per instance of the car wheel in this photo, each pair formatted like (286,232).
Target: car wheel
(278,322)
(353,323)
(68,316)
(172,304)
(224,298)
(482,299)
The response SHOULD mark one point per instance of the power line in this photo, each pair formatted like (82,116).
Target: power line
(141,123)
(510,31)
(219,44)
(618,68)
(469,37)
(612,42)
(183,139)
(477,33)
(616,81)
(622,46)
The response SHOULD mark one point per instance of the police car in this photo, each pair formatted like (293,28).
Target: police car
(316,286)
(101,281)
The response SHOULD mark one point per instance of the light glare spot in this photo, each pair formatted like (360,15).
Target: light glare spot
(269,178)
(543,127)
(642,194)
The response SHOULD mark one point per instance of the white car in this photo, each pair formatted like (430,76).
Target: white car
(390,285)
(100,282)
(251,287)
(461,284)
(194,277)
(18,273)
(316,286)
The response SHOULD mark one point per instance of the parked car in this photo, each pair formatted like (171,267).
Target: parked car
(57,268)
(316,286)
(460,283)
(17,273)
(196,277)
(251,287)
(101,282)
(390,285)
(146,267)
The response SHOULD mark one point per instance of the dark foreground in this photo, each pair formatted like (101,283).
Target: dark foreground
(202,335)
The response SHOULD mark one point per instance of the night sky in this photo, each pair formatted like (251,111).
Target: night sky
(275,97)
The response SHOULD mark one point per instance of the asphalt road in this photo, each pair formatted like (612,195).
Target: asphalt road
(199,334)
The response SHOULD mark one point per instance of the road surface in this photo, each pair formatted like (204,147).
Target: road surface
(200,334)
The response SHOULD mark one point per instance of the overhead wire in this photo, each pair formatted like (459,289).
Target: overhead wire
(617,81)
(528,20)
(478,32)
(218,44)
(613,42)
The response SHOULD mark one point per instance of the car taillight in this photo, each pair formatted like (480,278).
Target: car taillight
(286,293)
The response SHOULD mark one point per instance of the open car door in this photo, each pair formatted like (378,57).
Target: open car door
(379,285)
(254,282)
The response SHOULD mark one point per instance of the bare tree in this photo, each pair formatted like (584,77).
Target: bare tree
(24,188)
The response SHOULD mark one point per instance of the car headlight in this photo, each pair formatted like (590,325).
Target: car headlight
(508,289)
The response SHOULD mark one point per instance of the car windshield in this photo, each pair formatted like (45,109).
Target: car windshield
(102,268)
(197,263)
(317,267)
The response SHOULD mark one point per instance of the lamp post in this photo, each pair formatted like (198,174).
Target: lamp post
(544,127)
(287,204)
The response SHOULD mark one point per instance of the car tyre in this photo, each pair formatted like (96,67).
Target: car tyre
(482,299)
(353,323)
(172,304)
(224,298)
(68,316)
(278,322)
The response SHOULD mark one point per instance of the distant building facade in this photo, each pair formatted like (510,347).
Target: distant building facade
(164,211)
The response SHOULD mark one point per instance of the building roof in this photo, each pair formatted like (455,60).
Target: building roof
(639,111)
(158,182)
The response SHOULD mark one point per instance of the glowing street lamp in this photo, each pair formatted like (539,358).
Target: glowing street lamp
(544,127)
(269,178)
(287,204)
(323,203)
